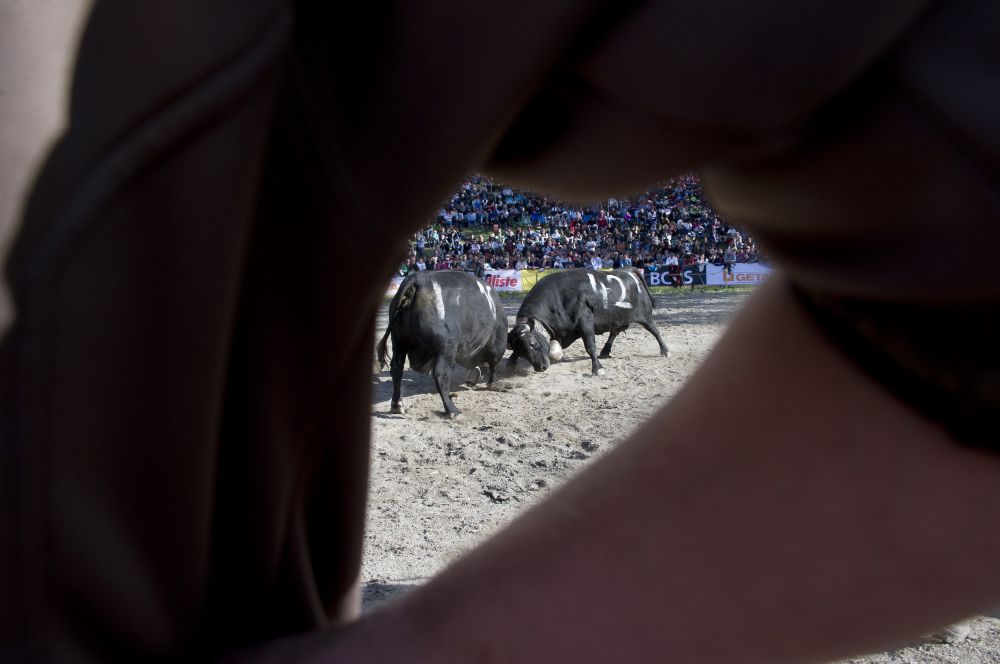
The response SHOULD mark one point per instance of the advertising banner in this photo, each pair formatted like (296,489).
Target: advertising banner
(693,275)
(689,275)
(744,274)
(505,280)
(530,277)
(522,281)
(501,280)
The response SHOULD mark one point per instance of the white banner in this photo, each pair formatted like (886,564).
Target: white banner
(501,280)
(744,274)
(393,286)
(504,280)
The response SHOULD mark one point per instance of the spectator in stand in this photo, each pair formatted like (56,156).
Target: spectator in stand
(729,259)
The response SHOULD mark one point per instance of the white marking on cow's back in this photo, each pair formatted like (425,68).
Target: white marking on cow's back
(438,299)
(593,283)
(458,298)
(604,295)
(636,280)
(621,301)
(485,290)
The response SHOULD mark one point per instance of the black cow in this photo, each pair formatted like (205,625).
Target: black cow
(440,319)
(573,304)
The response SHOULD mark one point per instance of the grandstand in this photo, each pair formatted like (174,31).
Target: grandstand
(489,224)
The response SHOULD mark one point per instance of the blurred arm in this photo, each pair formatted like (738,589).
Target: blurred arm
(783,507)
(585,99)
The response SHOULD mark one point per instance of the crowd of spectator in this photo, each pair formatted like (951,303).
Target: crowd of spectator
(489,226)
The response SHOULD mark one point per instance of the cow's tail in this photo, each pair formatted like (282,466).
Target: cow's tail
(403,300)
(642,280)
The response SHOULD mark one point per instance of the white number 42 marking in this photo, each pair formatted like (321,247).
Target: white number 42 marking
(621,301)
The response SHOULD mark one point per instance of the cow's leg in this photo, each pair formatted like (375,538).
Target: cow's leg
(442,378)
(664,351)
(587,332)
(396,370)
(492,373)
(606,351)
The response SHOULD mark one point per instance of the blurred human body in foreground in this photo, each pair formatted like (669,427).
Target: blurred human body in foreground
(184,416)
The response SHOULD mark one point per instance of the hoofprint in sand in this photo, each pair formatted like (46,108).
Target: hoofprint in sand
(439,486)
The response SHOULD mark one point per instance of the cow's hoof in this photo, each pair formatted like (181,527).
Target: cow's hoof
(599,372)
(604,356)
(457,415)
(665,353)
(473,376)
(398,409)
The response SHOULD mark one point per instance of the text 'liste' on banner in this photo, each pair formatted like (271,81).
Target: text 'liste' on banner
(501,280)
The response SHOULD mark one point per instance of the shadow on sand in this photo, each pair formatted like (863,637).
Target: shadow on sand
(374,593)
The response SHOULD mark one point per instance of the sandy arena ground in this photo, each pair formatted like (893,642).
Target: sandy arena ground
(440,486)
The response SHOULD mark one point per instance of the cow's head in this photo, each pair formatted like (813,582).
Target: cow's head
(531,344)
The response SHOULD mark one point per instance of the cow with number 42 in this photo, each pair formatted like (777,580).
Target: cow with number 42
(580,304)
